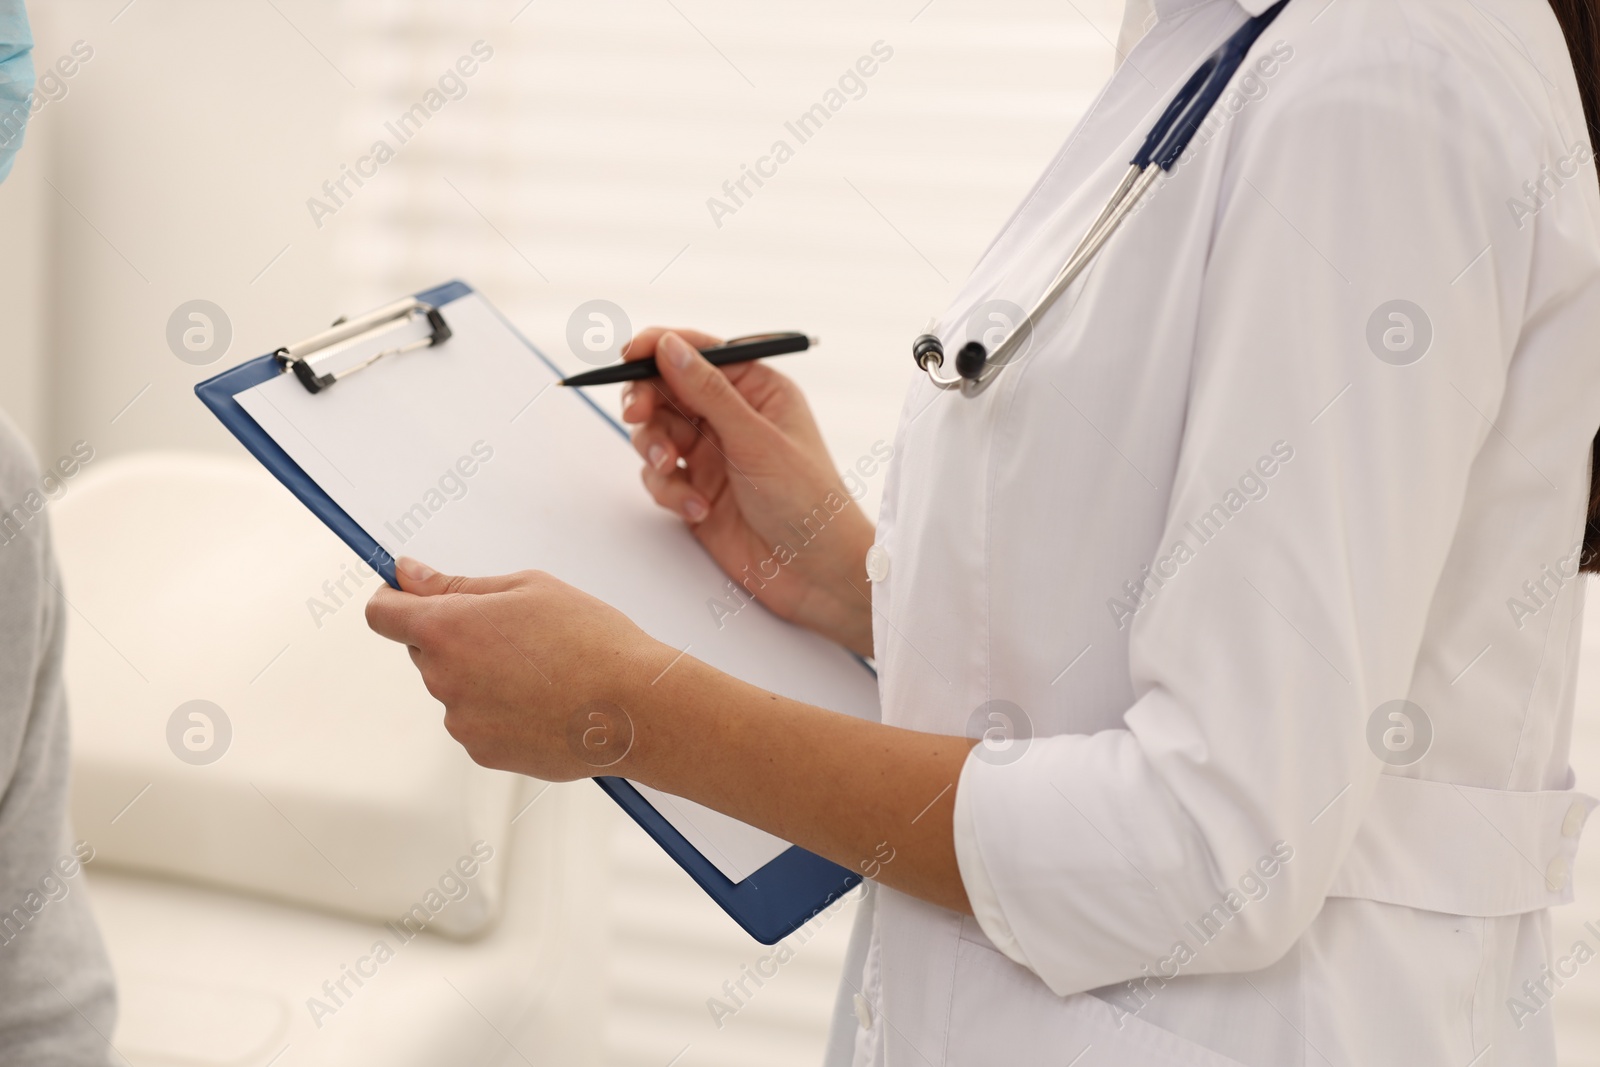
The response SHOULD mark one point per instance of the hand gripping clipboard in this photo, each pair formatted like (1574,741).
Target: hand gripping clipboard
(375,425)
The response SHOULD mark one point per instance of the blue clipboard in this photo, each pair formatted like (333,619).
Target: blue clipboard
(771,903)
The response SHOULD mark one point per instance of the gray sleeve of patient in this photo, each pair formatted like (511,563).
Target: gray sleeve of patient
(57,1002)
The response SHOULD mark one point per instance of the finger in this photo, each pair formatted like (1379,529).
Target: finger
(706,391)
(393,614)
(418,615)
(758,383)
(643,344)
(640,399)
(667,438)
(422,580)
(664,438)
(671,489)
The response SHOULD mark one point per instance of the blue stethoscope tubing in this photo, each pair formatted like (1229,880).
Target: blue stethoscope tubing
(1161,150)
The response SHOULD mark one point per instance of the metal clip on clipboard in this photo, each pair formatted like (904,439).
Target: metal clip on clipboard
(300,356)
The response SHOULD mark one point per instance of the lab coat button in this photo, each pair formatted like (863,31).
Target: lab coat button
(877,564)
(863,1012)
(1555,875)
(1572,825)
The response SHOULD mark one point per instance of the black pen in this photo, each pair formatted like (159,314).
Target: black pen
(738,350)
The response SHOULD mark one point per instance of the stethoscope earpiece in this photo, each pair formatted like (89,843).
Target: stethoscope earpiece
(970,360)
(928,350)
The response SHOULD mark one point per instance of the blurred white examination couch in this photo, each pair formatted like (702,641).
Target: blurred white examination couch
(233,890)
(230,891)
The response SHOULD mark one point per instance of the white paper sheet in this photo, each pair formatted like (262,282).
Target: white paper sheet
(559,492)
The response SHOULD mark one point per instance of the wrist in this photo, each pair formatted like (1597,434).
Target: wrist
(670,705)
(602,731)
(842,607)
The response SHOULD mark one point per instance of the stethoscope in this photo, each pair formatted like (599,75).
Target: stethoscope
(976,366)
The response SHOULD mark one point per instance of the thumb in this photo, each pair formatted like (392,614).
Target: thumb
(702,386)
(422,580)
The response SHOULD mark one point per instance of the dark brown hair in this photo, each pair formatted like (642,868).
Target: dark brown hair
(1581,24)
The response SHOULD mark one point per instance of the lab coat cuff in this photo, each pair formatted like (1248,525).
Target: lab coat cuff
(975,877)
(1092,860)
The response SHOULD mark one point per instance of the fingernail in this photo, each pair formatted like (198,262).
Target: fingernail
(694,509)
(678,350)
(416,571)
(628,397)
(658,456)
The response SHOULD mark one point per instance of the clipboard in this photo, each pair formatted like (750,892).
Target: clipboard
(770,901)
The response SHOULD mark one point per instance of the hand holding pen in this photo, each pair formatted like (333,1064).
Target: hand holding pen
(734,451)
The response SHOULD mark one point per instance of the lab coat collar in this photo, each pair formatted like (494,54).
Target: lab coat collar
(1167,8)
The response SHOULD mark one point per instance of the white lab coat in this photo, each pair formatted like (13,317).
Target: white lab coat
(1225,510)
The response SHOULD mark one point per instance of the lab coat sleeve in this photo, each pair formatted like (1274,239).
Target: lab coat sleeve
(975,875)
(1316,495)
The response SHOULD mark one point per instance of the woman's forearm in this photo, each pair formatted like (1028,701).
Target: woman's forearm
(876,799)
(542,679)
